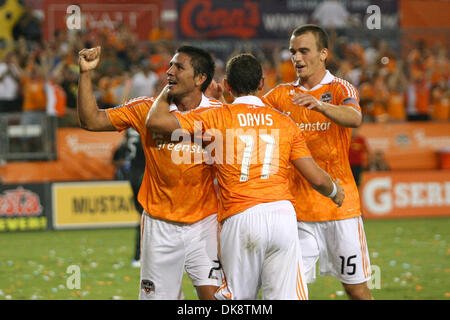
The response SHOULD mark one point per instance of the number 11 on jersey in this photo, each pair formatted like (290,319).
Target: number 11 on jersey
(247,155)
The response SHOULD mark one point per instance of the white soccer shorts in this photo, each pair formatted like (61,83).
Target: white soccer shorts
(260,249)
(339,245)
(169,248)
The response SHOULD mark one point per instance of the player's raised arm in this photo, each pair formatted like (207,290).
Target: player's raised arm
(159,118)
(320,180)
(91,117)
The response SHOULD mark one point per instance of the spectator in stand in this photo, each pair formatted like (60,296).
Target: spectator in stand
(419,88)
(285,69)
(32,79)
(371,52)
(396,84)
(144,82)
(10,98)
(358,155)
(418,98)
(367,97)
(160,59)
(381,96)
(441,67)
(270,77)
(378,162)
(70,87)
(440,96)
(160,33)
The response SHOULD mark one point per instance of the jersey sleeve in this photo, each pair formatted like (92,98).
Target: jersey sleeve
(130,114)
(346,94)
(299,148)
(273,98)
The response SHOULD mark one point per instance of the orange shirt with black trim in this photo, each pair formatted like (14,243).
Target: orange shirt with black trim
(252,147)
(171,190)
(329,144)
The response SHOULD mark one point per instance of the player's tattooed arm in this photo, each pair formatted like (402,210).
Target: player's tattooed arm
(159,118)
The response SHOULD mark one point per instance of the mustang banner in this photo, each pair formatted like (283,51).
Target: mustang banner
(269,19)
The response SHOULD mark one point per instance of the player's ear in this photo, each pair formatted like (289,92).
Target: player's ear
(323,55)
(226,85)
(261,84)
(199,79)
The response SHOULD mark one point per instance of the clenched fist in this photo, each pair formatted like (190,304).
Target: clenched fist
(88,59)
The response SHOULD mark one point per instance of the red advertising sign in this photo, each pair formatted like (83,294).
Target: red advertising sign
(199,19)
(24,207)
(20,202)
(140,16)
(270,19)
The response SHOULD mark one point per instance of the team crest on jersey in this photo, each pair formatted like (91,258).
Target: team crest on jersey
(148,286)
(326,97)
(292,92)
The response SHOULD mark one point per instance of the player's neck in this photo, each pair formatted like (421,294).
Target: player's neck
(189,101)
(313,80)
(235,95)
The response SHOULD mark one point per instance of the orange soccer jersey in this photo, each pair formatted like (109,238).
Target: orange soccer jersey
(252,146)
(396,106)
(329,145)
(179,191)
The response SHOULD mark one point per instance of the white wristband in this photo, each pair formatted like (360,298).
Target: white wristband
(333,193)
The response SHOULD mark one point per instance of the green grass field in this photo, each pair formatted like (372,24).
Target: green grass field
(412,256)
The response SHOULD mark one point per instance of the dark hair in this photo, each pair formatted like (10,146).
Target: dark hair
(319,33)
(201,61)
(244,73)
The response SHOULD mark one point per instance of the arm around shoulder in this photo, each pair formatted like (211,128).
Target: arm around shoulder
(159,118)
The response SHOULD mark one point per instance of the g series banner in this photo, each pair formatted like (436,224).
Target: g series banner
(24,207)
(400,194)
(274,19)
(93,205)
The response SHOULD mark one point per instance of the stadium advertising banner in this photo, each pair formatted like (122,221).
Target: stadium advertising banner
(24,207)
(404,195)
(82,155)
(93,205)
(411,145)
(274,19)
(139,15)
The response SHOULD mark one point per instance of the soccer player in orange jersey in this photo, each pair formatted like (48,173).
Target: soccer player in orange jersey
(179,224)
(325,108)
(253,148)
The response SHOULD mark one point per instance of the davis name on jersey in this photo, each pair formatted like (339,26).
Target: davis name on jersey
(250,120)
